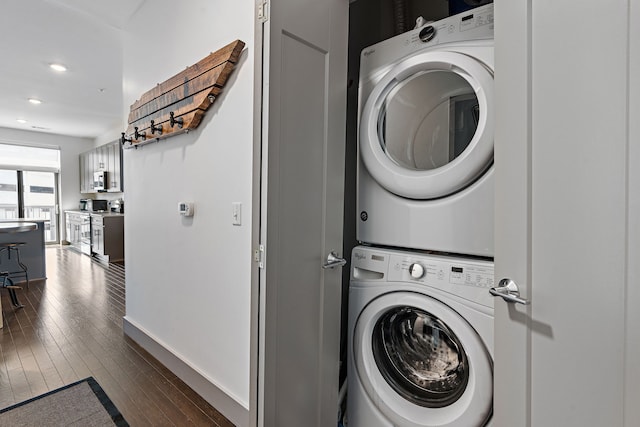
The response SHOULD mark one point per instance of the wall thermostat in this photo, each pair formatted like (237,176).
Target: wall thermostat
(185,208)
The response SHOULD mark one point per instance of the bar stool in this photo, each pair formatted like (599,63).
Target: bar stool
(6,282)
(20,269)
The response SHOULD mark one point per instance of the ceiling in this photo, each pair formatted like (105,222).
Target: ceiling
(85,36)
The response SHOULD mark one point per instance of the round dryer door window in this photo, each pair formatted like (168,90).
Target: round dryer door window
(421,363)
(426,130)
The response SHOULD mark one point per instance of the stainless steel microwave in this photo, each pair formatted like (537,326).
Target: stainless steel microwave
(100,180)
(94,205)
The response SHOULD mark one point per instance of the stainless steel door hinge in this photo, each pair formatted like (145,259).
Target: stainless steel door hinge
(258,256)
(263,10)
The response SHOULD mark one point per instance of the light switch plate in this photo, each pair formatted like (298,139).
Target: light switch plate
(236,213)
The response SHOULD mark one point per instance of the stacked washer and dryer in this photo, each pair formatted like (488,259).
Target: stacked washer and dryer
(420,338)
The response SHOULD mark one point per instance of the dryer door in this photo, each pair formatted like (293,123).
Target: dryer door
(421,363)
(426,130)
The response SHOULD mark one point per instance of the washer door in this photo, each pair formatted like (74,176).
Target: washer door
(426,130)
(422,364)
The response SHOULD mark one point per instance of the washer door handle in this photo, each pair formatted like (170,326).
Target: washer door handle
(508,290)
(334,260)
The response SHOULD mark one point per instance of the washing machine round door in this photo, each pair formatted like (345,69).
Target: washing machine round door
(421,363)
(426,130)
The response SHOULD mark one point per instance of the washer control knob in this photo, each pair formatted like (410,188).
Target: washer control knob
(427,33)
(416,270)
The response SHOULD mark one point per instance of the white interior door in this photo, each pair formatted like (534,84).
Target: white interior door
(304,115)
(566,207)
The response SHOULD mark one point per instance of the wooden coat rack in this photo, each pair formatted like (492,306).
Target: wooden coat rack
(178,105)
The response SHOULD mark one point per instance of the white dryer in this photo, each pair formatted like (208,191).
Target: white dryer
(420,340)
(425,138)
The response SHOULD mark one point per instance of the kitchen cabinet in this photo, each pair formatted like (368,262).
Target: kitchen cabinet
(73,230)
(67,227)
(78,228)
(99,160)
(107,158)
(107,236)
(86,172)
(114,166)
(97,235)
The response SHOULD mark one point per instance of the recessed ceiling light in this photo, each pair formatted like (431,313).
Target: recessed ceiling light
(21,121)
(35,101)
(58,67)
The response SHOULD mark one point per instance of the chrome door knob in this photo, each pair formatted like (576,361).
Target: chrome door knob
(334,260)
(507,289)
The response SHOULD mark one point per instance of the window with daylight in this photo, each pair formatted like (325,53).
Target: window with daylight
(28,185)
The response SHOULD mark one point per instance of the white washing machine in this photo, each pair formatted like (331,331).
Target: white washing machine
(420,340)
(425,138)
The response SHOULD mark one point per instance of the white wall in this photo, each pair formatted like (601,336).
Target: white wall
(111,135)
(70,147)
(188,279)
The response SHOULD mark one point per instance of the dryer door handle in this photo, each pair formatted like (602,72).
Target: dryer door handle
(333,260)
(508,290)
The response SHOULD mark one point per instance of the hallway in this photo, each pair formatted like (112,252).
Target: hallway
(71,328)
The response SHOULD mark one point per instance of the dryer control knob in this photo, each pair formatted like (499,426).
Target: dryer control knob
(427,33)
(416,271)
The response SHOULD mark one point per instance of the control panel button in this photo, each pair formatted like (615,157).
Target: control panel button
(427,33)
(416,270)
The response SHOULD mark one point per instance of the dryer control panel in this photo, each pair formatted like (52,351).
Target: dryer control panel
(476,24)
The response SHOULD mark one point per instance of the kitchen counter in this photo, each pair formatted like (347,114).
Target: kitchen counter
(22,220)
(32,253)
(77,211)
(106,214)
(98,234)
(17,227)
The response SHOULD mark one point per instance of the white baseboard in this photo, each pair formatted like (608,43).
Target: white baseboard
(227,406)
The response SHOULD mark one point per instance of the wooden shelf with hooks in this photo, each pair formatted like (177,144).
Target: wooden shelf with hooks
(178,104)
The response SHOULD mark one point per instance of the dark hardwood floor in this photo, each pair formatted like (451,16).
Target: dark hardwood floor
(71,328)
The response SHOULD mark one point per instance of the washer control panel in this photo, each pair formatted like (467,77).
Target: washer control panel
(435,269)
(468,278)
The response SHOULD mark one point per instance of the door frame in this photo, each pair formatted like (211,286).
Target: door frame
(258,216)
(512,162)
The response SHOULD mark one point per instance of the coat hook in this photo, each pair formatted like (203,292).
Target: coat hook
(173,121)
(124,139)
(139,135)
(155,128)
